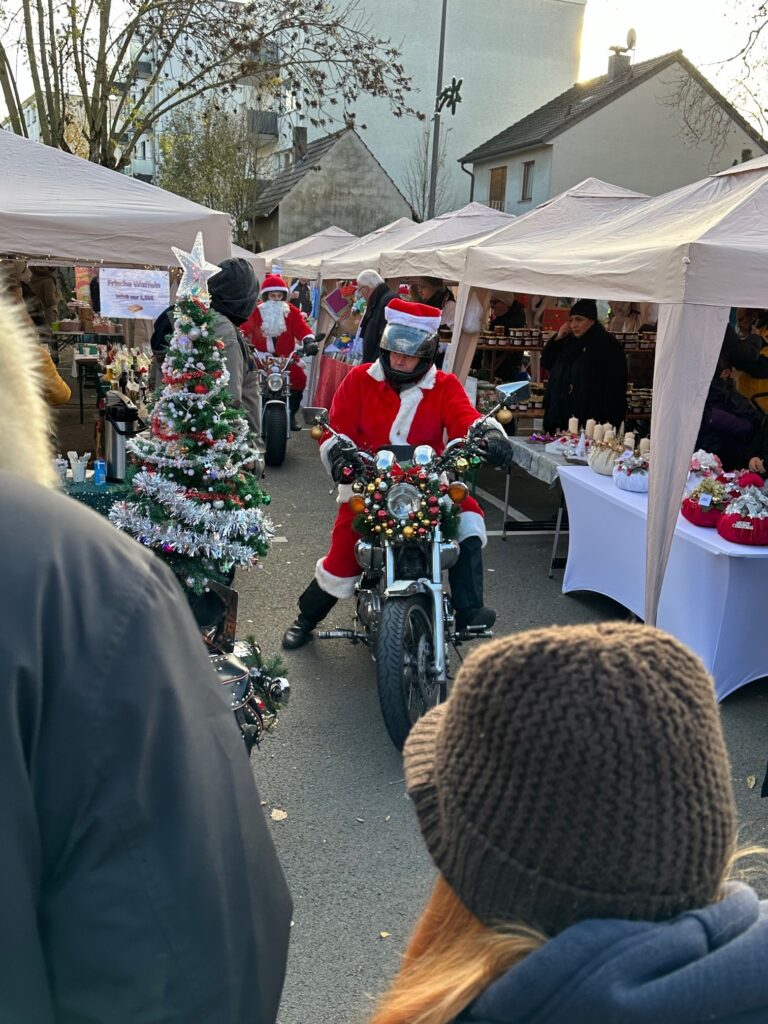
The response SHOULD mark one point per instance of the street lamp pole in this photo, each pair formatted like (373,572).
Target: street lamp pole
(436,118)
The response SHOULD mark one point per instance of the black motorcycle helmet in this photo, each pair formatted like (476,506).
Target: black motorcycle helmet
(411,331)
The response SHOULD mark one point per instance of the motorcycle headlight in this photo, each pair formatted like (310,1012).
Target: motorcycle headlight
(402,500)
(423,455)
(275,382)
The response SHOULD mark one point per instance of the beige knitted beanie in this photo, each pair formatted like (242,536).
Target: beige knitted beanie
(576,772)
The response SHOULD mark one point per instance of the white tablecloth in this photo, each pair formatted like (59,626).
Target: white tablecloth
(715,593)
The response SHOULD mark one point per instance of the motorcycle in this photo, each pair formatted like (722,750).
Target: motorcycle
(274,410)
(406,503)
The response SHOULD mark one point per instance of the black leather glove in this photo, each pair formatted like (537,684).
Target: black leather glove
(340,459)
(496,448)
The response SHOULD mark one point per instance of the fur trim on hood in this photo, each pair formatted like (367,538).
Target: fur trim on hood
(24,419)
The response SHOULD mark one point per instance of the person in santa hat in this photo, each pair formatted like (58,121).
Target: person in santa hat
(278,327)
(400,399)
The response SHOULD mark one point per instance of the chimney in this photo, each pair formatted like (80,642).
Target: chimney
(619,64)
(299,144)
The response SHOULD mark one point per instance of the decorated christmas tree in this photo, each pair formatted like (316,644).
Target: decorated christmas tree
(195,496)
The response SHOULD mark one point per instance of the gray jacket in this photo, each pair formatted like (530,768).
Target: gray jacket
(243,379)
(139,879)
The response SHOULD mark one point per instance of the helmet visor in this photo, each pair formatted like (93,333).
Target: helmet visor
(408,341)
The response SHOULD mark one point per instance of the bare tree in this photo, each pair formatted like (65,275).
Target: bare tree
(212,156)
(129,63)
(417,173)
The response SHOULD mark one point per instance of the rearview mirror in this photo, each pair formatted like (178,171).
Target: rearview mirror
(520,390)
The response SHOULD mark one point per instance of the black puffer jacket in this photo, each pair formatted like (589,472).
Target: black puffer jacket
(587,379)
(372,325)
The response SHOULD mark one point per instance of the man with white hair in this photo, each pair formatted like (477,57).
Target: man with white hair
(374,289)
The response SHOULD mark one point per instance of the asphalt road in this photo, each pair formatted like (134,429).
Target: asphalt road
(348,841)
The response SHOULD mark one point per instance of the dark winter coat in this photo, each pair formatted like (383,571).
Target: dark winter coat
(372,325)
(161,331)
(744,354)
(706,965)
(304,301)
(587,379)
(728,425)
(138,876)
(514,317)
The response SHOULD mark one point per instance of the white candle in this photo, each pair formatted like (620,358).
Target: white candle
(589,430)
(645,445)
(629,440)
(609,434)
(573,425)
(598,432)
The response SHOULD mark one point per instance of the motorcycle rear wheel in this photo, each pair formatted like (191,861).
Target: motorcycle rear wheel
(275,431)
(404,654)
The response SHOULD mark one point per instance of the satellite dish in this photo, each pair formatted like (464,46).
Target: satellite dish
(631,39)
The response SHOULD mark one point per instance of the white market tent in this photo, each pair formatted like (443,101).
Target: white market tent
(414,257)
(56,206)
(698,251)
(319,244)
(351,259)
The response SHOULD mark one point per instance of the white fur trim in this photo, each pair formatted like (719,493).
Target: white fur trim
(336,586)
(493,422)
(472,524)
(376,370)
(343,493)
(23,410)
(325,449)
(410,399)
(420,323)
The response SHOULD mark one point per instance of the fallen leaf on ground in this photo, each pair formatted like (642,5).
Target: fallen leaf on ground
(277,814)
(388,817)
(384,935)
(751,780)
(361,820)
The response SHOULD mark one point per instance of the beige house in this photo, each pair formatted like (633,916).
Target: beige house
(333,180)
(631,127)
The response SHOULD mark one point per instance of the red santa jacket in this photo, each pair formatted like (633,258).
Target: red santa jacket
(372,414)
(296,330)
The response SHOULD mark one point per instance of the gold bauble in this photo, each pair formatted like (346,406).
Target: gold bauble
(377,529)
(316,432)
(371,488)
(389,532)
(408,532)
(504,416)
(462,465)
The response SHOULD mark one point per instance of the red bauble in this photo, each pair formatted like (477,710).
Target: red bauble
(382,513)
(751,480)
(200,389)
(230,438)
(377,496)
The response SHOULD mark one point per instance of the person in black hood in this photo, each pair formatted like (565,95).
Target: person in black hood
(234,292)
(730,421)
(587,372)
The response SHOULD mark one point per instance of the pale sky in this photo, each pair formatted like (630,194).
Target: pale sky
(706,30)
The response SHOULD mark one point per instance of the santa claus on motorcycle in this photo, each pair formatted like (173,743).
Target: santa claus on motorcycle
(277,327)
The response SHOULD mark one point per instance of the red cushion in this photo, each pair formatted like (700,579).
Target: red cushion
(754,531)
(694,513)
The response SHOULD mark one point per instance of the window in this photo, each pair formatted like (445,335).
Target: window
(498,189)
(527,190)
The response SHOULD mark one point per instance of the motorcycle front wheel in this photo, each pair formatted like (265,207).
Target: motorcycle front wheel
(275,431)
(404,654)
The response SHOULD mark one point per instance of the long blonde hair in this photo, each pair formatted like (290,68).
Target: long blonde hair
(451,958)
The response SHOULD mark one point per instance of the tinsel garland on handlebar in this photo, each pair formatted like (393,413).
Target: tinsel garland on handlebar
(436,508)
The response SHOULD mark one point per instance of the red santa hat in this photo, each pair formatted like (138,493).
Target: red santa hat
(412,314)
(273,283)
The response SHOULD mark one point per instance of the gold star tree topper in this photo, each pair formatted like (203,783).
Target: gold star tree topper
(197,270)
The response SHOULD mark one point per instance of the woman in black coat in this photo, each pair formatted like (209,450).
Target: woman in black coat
(587,372)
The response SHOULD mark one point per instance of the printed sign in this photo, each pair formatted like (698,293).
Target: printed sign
(134,294)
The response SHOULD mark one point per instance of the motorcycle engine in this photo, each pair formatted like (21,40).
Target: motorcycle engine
(410,563)
(369,609)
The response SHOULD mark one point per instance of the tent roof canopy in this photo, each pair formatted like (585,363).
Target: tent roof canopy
(704,243)
(590,201)
(311,266)
(320,243)
(58,206)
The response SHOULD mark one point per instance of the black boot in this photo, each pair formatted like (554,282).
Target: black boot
(466,579)
(294,404)
(314,605)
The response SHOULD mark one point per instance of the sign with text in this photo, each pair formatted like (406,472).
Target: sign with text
(134,294)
